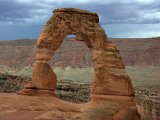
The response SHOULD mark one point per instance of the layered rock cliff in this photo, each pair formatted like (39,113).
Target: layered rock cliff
(139,52)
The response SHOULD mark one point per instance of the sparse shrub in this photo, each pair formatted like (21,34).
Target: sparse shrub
(10,84)
(73,91)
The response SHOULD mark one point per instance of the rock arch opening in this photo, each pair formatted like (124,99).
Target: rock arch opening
(73,66)
(71,36)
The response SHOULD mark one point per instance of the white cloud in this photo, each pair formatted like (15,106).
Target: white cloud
(132,30)
(152,15)
(57,1)
(140,34)
(139,31)
(144,1)
(25,1)
(84,1)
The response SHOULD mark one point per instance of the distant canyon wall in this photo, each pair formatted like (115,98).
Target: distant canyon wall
(135,52)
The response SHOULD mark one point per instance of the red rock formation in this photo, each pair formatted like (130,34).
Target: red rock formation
(110,81)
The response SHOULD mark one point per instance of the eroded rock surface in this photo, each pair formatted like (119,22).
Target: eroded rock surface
(110,81)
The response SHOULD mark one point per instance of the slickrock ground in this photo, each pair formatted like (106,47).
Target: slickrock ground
(79,93)
(16,107)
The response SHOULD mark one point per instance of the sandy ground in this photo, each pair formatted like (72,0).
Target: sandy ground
(19,107)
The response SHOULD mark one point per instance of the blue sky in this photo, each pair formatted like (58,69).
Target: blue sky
(120,18)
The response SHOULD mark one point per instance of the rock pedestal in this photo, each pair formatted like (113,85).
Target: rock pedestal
(110,80)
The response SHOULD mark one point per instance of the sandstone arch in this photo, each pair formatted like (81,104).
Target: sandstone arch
(110,80)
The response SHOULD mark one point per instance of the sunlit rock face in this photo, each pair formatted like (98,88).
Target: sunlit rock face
(110,80)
